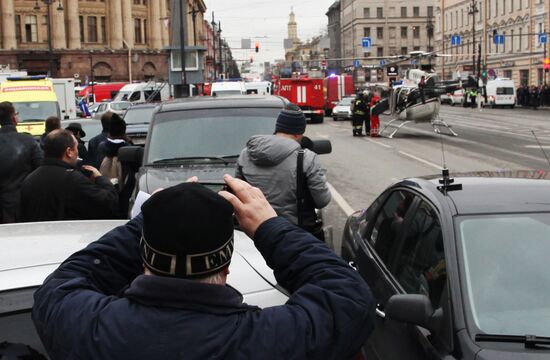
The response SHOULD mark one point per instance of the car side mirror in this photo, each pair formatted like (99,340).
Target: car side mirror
(131,154)
(415,310)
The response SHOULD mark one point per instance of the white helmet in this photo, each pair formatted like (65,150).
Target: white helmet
(365,92)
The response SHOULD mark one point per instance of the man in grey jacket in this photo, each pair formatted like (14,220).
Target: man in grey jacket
(270,163)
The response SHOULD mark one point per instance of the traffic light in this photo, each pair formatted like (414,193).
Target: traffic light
(257,47)
(547,64)
(484,74)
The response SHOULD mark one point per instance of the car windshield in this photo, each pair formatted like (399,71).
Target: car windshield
(506,272)
(120,105)
(139,115)
(123,96)
(505,91)
(207,133)
(37,110)
(345,102)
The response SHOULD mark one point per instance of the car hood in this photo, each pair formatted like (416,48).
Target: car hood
(35,250)
(151,178)
(136,129)
(341,108)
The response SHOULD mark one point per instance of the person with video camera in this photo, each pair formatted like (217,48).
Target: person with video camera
(291,177)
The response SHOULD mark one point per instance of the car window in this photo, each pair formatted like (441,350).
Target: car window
(420,264)
(136,96)
(388,223)
(102,108)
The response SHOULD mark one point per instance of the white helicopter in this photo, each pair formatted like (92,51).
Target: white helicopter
(408,103)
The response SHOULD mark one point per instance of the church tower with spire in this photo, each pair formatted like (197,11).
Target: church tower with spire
(293,27)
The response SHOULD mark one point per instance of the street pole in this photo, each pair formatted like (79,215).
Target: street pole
(92,74)
(473,11)
(184,90)
(50,47)
(214,44)
(443,38)
(220,45)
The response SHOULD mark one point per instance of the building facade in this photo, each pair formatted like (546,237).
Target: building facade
(109,40)
(395,28)
(335,48)
(520,22)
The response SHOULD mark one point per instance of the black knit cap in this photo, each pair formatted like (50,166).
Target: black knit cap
(291,120)
(117,127)
(187,232)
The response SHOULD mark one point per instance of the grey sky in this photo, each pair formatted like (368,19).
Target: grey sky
(259,18)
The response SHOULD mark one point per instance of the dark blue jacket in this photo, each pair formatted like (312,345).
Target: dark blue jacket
(85,309)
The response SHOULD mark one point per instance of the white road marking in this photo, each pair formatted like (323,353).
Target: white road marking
(348,210)
(322,135)
(426,162)
(537,147)
(380,144)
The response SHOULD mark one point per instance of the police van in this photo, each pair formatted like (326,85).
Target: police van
(34,99)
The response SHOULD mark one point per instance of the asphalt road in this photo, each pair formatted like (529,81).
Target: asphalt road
(360,168)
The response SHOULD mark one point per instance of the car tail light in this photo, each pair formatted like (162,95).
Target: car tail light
(319,111)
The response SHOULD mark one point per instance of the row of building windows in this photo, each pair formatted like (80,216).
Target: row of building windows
(404,13)
(91,30)
(495,8)
(404,31)
(404,50)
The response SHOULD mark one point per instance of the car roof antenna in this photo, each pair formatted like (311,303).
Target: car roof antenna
(541,148)
(447,183)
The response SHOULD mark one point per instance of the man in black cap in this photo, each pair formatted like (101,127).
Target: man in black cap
(272,163)
(57,190)
(78,132)
(156,287)
(20,154)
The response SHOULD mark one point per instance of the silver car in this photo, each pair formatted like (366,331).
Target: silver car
(342,111)
(117,107)
(32,251)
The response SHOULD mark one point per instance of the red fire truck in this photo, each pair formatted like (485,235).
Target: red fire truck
(337,87)
(307,93)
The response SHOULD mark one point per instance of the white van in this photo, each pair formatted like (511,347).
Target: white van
(143,92)
(501,92)
(228,88)
(258,88)
(66,97)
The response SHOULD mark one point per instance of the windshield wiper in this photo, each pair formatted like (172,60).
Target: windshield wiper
(530,341)
(191,158)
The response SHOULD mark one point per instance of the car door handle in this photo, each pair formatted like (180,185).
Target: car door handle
(379,312)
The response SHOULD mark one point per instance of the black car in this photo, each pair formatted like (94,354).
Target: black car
(201,136)
(138,118)
(459,269)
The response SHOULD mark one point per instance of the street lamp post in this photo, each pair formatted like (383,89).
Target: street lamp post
(48,4)
(473,10)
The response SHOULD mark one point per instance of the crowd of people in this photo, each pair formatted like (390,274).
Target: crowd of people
(533,96)
(90,183)
(161,278)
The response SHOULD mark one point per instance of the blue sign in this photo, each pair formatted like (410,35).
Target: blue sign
(366,42)
(356,63)
(414,62)
(382,62)
(498,39)
(456,40)
(543,38)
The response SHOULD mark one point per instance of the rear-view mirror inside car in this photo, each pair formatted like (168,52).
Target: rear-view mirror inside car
(413,309)
(131,154)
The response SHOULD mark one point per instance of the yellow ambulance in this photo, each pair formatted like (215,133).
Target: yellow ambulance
(34,100)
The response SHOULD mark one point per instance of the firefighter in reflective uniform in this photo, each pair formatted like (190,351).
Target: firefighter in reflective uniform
(359,110)
(367,96)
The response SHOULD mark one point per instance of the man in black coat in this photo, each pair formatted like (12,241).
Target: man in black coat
(102,304)
(20,154)
(94,142)
(58,191)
